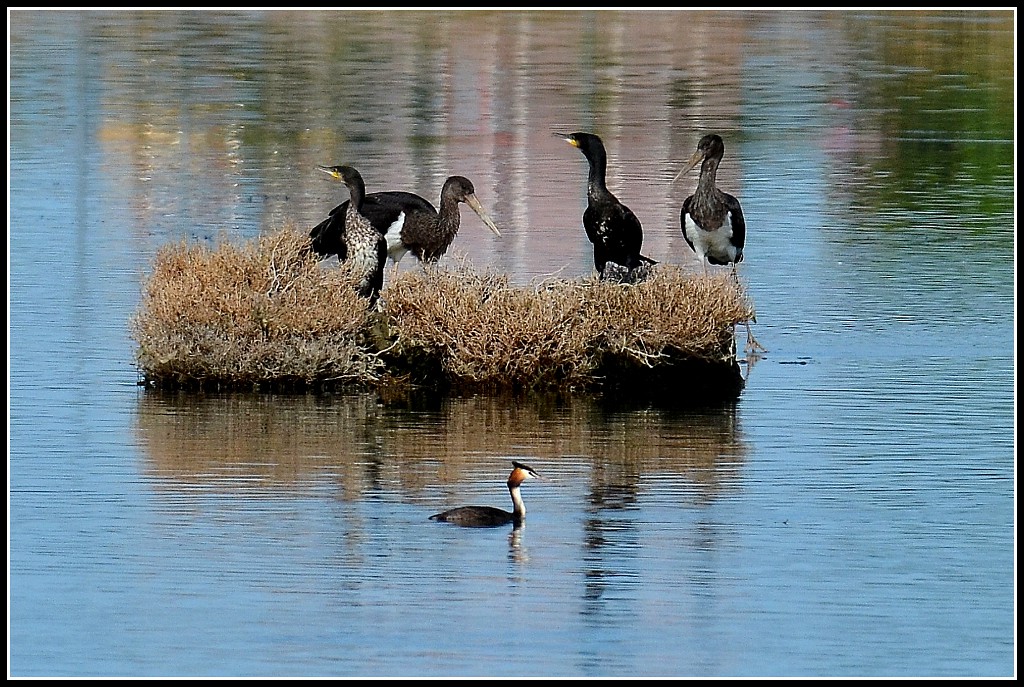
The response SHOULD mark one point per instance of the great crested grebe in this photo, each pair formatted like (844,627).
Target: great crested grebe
(488,516)
(611,226)
(408,221)
(361,246)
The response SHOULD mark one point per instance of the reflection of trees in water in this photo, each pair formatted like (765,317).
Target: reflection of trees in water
(358,447)
(704,448)
(273,442)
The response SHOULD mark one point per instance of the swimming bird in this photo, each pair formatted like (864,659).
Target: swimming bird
(612,227)
(408,222)
(360,246)
(711,219)
(488,516)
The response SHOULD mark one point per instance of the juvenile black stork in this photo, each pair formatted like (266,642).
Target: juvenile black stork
(711,219)
(611,226)
(360,246)
(408,222)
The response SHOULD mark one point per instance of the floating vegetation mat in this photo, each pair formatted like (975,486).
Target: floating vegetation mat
(265,315)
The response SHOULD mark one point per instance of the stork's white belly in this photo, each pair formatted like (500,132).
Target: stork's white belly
(717,243)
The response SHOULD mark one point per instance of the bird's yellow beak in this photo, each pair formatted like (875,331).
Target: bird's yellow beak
(568,139)
(330,170)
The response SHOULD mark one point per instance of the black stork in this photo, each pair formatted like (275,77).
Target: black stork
(611,226)
(409,223)
(711,219)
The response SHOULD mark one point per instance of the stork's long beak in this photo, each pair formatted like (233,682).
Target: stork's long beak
(694,160)
(472,202)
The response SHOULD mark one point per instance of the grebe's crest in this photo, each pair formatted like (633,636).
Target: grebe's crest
(520,472)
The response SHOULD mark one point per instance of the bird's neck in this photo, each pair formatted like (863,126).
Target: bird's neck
(448,218)
(356,192)
(708,173)
(518,507)
(596,187)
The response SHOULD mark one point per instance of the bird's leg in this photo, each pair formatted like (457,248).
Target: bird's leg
(753,346)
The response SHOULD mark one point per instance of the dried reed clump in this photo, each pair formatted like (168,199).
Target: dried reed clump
(238,317)
(266,314)
(483,333)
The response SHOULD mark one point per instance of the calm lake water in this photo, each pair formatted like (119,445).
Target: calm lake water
(852,514)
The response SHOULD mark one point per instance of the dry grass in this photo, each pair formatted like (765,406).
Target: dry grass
(263,314)
(249,316)
(568,334)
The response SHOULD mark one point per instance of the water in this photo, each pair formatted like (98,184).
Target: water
(851,515)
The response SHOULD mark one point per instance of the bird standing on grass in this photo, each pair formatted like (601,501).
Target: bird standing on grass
(360,246)
(711,219)
(611,226)
(409,223)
